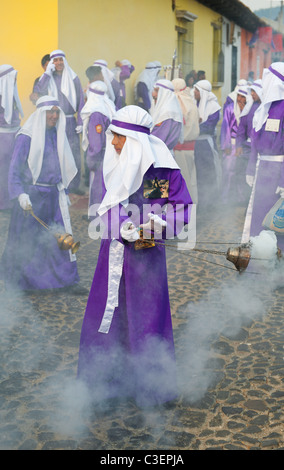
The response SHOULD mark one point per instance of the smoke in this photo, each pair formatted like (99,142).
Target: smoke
(235,304)
(47,370)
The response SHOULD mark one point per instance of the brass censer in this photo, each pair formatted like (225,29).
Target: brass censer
(65,241)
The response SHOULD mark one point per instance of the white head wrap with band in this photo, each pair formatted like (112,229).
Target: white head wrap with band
(208,103)
(273,90)
(123,174)
(67,83)
(108,76)
(9,92)
(99,102)
(35,128)
(167,105)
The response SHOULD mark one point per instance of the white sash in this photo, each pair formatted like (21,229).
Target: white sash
(115,265)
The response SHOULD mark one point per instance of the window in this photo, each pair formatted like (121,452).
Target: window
(218,54)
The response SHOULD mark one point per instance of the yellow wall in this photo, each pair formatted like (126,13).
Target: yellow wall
(28,32)
(116,29)
(203,37)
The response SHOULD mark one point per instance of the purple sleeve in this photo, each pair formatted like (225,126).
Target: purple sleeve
(226,128)
(80,100)
(96,133)
(142,92)
(242,132)
(168,131)
(179,205)
(41,86)
(253,155)
(209,126)
(18,172)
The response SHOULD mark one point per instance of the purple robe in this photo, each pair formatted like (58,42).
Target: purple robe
(168,131)
(243,140)
(143,99)
(228,135)
(207,170)
(269,173)
(71,122)
(97,127)
(136,357)
(7,141)
(32,258)
(119,86)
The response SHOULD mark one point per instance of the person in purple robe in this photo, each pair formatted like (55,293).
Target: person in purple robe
(243,140)
(144,86)
(122,71)
(206,156)
(41,171)
(61,81)
(265,171)
(10,119)
(166,114)
(96,116)
(126,346)
(109,79)
(231,192)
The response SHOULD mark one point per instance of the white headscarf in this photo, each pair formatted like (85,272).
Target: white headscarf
(188,108)
(67,83)
(257,87)
(9,92)
(99,102)
(35,128)
(123,174)
(108,76)
(167,105)
(208,103)
(243,91)
(147,76)
(233,95)
(273,90)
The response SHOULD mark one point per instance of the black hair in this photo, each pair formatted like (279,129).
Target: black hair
(46,58)
(92,71)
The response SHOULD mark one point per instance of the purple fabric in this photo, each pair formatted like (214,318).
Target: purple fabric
(229,130)
(207,188)
(168,131)
(95,154)
(143,99)
(119,86)
(71,123)
(136,357)
(7,141)
(270,175)
(131,127)
(32,258)
(243,140)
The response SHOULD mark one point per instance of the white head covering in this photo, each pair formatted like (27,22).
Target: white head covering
(35,128)
(167,105)
(243,91)
(188,108)
(123,174)
(147,76)
(208,103)
(67,82)
(257,87)
(9,91)
(108,76)
(273,90)
(99,102)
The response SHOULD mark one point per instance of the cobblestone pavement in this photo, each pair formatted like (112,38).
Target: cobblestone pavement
(229,344)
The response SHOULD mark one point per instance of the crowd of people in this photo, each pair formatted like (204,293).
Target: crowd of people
(163,150)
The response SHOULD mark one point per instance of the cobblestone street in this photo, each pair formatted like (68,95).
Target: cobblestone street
(229,334)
